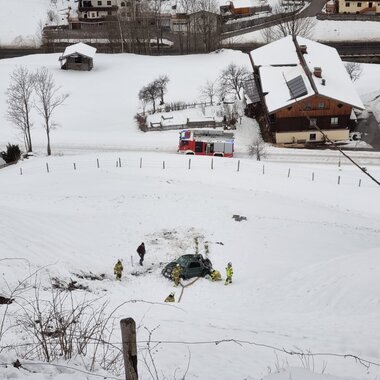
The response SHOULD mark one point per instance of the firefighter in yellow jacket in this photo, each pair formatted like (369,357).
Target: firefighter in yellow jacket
(118,269)
(170,297)
(176,274)
(215,275)
(229,273)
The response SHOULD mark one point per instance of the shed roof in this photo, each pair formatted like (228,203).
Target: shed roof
(79,48)
(279,64)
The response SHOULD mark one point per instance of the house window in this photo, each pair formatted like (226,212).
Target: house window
(347,4)
(313,136)
(321,105)
(334,121)
(340,105)
(99,2)
(307,106)
(313,121)
(109,2)
(359,5)
(78,59)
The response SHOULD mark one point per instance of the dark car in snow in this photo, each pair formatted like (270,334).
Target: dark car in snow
(192,266)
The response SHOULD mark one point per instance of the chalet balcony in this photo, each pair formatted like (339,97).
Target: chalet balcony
(112,8)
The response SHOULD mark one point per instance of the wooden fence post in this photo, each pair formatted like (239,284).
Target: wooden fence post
(140,162)
(288,172)
(21,171)
(75,166)
(312,176)
(360,182)
(97,162)
(47,167)
(128,337)
(238,168)
(212,164)
(263,169)
(338,179)
(163,164)
(189,163)
(119,162)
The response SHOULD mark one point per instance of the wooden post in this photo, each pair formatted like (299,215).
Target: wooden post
(238,168)
(75,167)
(339,163)
(263,169)
(312,176)
(132,260)
(288,172)
(338,179)
(21,171)
(140,162)
(189,163)
(163,164)
(97,162)
(119,162)
(128,337)
(47,167)
(360,182)
(212,164)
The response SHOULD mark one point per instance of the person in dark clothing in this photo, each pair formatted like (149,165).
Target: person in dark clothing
(141,252)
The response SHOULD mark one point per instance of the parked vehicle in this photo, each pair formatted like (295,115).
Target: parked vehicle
(191,265)
(206,142)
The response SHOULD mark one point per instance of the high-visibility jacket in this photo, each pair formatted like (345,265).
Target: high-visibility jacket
(118,268)
(229,271)
(215,275)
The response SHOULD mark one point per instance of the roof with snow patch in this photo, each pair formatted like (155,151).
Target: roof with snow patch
(284,79)
(79,48)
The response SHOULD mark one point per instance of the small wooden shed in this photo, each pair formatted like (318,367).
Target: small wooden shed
(78,57)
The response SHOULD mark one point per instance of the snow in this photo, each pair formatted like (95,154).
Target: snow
(305,259)
(325,31)
(79,48)
(21,22)
(337,83)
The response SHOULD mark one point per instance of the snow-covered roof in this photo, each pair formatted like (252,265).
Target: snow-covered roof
(81,49)
(279,63)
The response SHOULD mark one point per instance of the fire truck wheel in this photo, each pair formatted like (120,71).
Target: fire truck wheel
(190,153)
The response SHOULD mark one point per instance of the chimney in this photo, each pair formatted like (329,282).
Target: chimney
(318,72)
(303,49)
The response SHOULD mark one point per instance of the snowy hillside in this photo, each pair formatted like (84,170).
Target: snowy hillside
(305,258)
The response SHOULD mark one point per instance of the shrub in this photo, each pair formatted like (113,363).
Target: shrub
(13,153)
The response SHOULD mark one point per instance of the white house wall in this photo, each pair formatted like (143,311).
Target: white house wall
(293,137)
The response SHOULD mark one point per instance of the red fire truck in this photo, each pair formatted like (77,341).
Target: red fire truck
(206,142)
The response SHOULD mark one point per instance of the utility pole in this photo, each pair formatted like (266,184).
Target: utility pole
(128,336)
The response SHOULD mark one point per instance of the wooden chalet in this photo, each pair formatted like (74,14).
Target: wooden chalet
(299,85)
(78,57)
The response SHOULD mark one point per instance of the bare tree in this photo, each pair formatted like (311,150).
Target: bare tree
(290,23)
(209,90)
(257,148)
(354,70)
(149,94)
(232,79)
(48,99)
(19,102)
(161,83)
(205,25)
